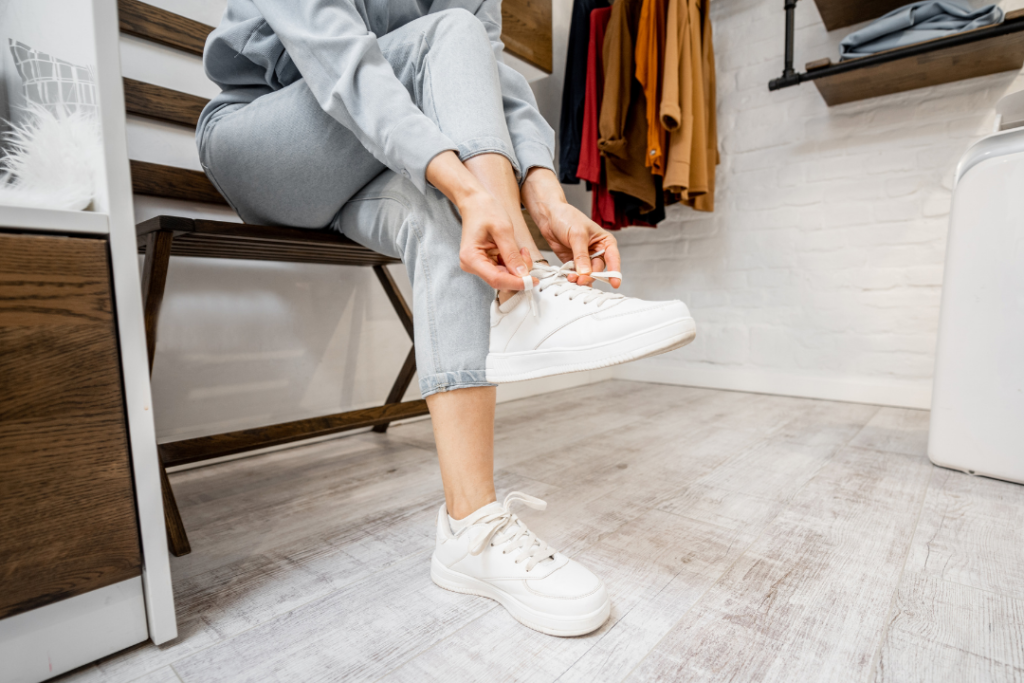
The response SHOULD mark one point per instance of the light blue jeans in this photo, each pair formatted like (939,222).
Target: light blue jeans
(281,160)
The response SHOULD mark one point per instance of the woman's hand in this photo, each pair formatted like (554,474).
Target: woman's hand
(570,233)
(488,249)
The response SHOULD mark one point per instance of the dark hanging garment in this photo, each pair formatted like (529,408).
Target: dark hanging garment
(570,129)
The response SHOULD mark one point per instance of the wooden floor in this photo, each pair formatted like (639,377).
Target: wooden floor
(742,538)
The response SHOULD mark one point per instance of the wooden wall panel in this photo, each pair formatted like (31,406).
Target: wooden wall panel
(67,512)
(526,30)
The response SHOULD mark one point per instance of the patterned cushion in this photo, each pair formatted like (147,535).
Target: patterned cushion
(61,87)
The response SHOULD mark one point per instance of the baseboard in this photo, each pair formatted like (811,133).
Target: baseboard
(70,633)
(875,391)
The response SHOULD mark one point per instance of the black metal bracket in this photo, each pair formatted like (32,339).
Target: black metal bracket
(789,75)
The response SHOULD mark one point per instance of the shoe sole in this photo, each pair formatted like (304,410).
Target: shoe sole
(458,582)
(518,366)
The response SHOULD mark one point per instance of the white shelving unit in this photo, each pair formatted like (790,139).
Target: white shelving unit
(64,635)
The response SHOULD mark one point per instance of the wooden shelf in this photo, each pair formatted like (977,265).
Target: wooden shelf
(965,55)
(840,13)
(30,218)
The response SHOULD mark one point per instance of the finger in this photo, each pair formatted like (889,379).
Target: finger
(580,244)
(496,276)
(561,252)
(599,265)
(511,257)
(611,256)
(527,257)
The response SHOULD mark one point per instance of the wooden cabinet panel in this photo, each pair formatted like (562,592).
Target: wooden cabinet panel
(67,513)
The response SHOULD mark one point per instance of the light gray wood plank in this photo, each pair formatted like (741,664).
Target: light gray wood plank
(972,533)
(825,423)
(751,488)
(357,633)
(896,430)
(559,419)
(809,599)
(943,631)
(608,487)
(165,675)
(655,567)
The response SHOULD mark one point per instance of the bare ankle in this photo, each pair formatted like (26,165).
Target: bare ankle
(463,506)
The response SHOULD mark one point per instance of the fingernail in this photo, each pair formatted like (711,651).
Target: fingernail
(521,270)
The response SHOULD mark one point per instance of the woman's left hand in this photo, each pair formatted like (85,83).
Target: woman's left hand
(570,233)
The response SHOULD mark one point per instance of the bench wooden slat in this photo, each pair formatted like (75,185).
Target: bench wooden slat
(162,104)
(220,445)
(223,239)
(170,182)
(160,26)
(298,254)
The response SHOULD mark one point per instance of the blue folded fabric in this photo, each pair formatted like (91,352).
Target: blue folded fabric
(915,23)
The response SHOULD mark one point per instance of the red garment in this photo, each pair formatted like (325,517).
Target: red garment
(603,206)
(590,156)
(604,210)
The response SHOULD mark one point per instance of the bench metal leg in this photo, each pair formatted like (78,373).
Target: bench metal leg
(405,375)
(154,279)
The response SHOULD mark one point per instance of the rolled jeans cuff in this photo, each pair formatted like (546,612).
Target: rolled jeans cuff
(490,145)
(533,155)
(450,381)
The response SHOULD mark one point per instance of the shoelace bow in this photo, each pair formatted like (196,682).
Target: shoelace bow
(556,279)
(508,530)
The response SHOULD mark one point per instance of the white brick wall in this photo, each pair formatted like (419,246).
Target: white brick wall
(820,271)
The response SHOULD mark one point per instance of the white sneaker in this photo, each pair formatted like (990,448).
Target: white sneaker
(495,556)
(559,327)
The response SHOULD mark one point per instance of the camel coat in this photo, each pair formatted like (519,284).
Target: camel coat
(688,104)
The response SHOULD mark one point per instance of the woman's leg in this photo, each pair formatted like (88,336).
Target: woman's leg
(452,325)
(464,432)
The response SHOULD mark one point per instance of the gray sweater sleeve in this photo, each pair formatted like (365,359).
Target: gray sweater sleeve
(533,139)
(353,82)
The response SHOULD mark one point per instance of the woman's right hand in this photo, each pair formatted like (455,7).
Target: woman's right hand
(489,249)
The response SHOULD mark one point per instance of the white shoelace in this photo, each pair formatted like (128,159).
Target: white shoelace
(505,529)
(556,279)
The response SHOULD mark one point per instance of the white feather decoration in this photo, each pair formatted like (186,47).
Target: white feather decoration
(52,162)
